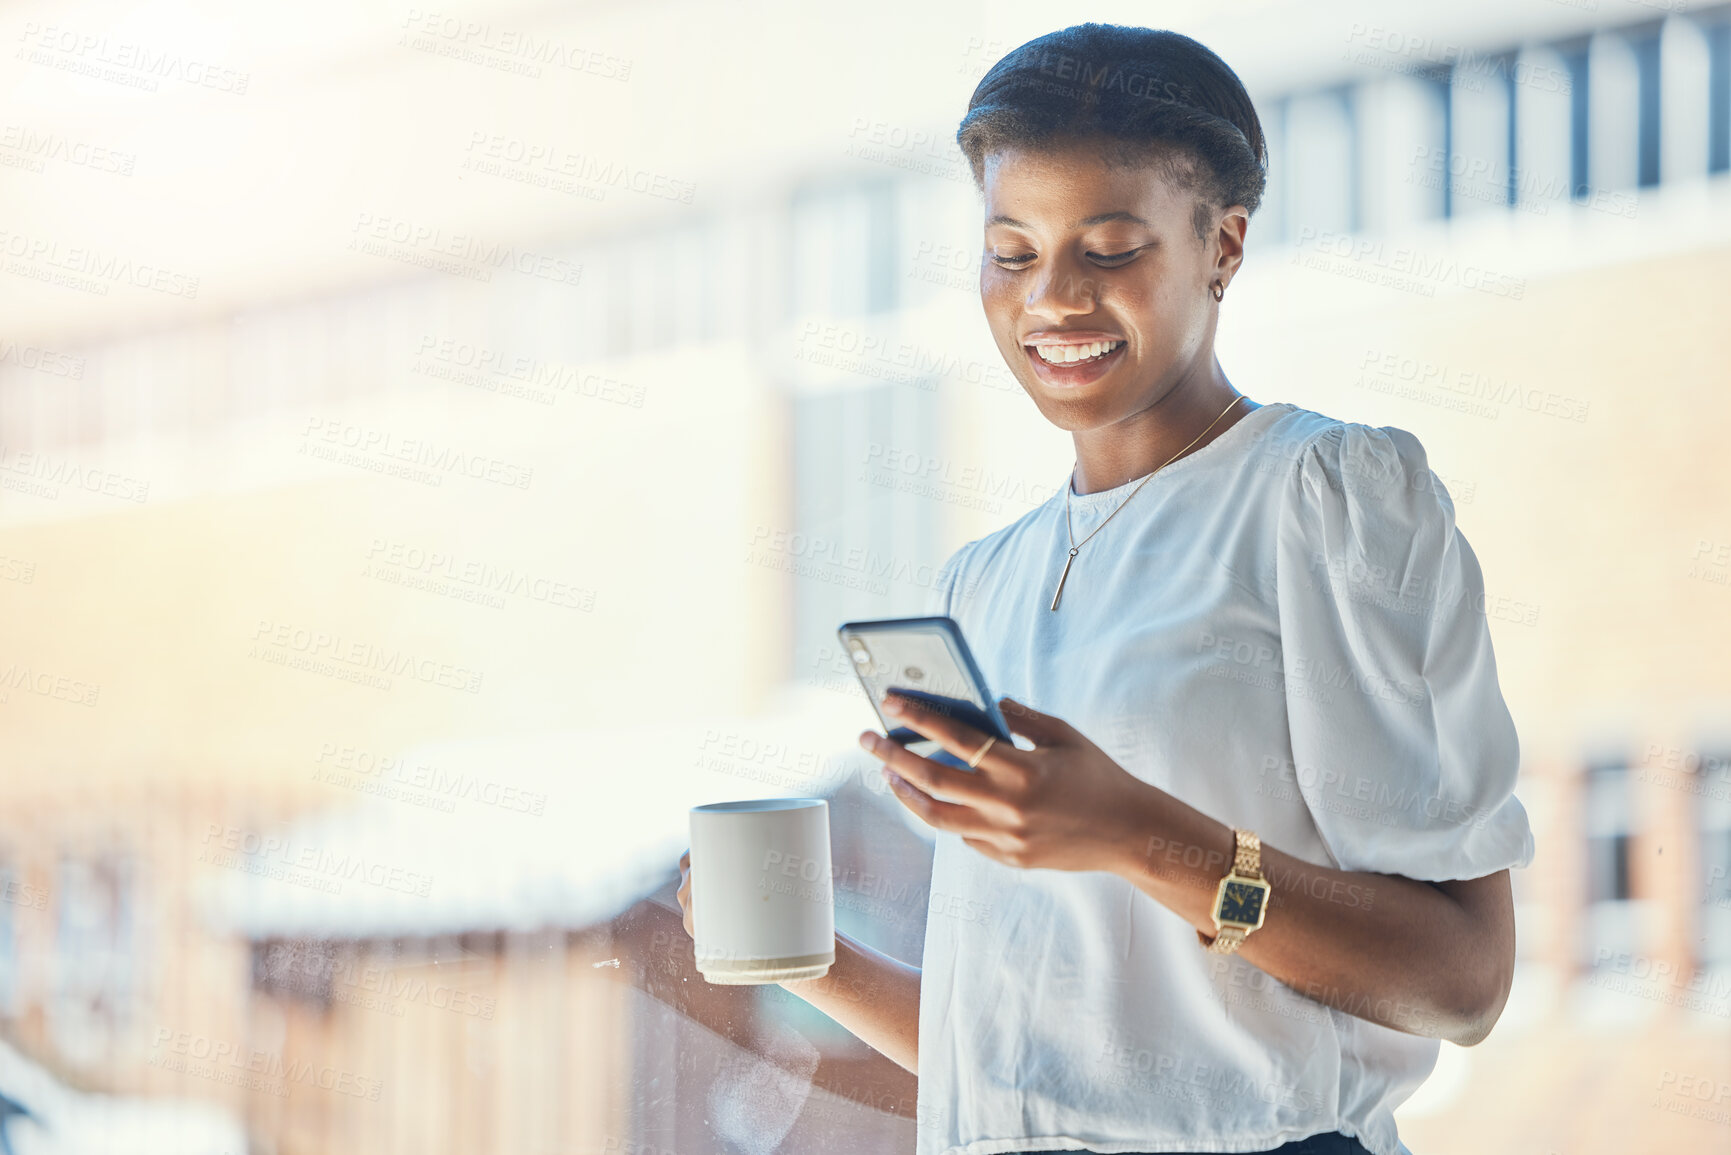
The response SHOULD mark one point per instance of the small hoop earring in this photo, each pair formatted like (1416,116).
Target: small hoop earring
(1218,290)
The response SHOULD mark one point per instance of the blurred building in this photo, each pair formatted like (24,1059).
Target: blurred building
(354,637)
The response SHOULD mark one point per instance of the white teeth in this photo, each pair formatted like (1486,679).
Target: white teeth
(1069,354)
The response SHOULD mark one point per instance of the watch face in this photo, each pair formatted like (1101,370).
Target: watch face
(1242,902)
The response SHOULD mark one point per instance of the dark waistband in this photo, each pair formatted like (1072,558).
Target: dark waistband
(1330,1143)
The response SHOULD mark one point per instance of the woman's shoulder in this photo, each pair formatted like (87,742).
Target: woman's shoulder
(967,563)
(1295,431)
(1005,537)
(1353,459)
(1362,499)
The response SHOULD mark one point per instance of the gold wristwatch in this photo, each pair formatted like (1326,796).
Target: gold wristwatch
(1241,902)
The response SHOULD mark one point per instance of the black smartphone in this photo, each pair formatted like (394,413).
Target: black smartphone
(927,660)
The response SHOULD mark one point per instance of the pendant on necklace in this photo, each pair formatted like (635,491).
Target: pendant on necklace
(1059,592)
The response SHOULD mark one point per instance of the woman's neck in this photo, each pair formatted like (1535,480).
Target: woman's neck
(1116,454)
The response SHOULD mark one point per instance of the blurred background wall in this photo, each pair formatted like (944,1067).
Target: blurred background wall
(436,447)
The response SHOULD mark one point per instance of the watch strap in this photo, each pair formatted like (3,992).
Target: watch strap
(1228,940)
(1247,854)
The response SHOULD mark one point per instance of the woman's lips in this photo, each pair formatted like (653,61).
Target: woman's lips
(1070,376)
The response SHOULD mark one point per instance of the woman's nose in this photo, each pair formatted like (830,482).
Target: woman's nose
(1061,290)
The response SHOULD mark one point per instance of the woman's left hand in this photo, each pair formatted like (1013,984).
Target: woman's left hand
(1064,805)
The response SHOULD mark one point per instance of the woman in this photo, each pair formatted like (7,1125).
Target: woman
(1248,860)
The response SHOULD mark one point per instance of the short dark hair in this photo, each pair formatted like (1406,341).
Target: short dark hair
(1148,96)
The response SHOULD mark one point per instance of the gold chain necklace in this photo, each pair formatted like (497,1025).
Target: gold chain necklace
(1075,546)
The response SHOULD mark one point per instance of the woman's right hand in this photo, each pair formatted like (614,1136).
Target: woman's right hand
(889,1021)
(685,891)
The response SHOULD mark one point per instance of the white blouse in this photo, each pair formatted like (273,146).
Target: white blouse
(1285,630)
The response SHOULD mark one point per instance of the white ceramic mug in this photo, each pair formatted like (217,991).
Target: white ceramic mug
(762,890)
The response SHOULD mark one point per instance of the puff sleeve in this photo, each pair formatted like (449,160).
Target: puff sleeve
(1403,749)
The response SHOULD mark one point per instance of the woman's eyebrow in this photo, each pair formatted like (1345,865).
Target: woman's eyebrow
(1096,219)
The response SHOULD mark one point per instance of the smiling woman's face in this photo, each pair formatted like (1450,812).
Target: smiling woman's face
(1082,258)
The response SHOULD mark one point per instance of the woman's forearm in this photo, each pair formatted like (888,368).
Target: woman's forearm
(873,995)
(1428,959)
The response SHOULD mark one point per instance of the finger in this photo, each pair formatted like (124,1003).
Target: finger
(958,738)
(935,813)
(1042,729)
(934,778)
(986,848)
